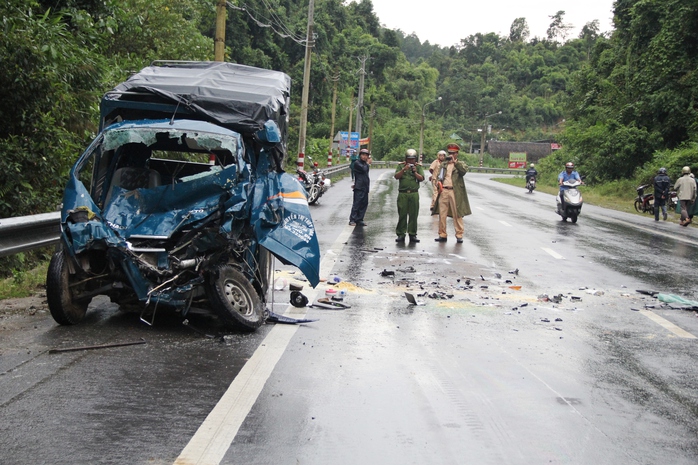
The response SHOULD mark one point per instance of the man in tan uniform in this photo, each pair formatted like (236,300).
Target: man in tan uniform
(453,198)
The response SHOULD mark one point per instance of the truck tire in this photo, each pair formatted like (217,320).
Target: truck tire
(234,299)
(59,294)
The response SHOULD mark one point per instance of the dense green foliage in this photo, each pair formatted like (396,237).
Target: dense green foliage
(621,104)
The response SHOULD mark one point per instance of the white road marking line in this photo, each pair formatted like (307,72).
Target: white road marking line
(506,224)
(553,253)
(666,324)
(212,440)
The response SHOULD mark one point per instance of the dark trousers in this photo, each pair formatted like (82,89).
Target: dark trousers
(359,206)
(408,213)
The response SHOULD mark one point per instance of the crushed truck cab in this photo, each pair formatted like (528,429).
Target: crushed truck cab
(181,200)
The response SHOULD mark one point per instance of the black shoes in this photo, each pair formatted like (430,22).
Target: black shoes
(413,239)
(400,239)
(459,240)
(440,239)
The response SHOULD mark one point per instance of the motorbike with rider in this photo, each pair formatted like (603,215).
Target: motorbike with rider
(569,202)
(531,176)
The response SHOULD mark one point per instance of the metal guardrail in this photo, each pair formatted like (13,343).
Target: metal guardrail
(29,232)
(34,231)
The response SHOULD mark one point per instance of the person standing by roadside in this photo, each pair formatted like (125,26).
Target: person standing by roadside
(362,185)
(433,168)
(662,183)
(409,174)
(685,188)
(453,199)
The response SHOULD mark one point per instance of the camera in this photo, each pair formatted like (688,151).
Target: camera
(449,158)
(411,165)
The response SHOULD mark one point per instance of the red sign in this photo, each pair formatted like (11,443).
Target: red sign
(517,165)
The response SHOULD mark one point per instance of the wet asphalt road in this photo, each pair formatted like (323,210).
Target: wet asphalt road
(483,372)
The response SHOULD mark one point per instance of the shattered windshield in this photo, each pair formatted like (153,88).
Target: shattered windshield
(191,140)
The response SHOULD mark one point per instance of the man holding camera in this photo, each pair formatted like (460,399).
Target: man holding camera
(453,198)
(409,174)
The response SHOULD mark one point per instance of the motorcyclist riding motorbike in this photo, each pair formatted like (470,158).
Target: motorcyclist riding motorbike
(567,175)
(531,174)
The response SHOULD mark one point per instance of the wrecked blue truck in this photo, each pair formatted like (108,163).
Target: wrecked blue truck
(181,202)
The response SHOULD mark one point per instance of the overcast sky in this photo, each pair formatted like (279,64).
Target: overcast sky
(445,22)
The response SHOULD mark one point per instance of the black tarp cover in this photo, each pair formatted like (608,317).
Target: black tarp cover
(236,96)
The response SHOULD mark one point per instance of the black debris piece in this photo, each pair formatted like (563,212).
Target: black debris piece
(545,320)
(498,276)
(516,271)
(298,299)
(650,293)
(387,273)
(276,318)
(525,304)
(558,319)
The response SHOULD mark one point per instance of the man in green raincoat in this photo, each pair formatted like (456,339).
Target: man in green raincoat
(453,198)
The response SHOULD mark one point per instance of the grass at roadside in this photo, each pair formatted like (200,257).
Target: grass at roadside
(24,283)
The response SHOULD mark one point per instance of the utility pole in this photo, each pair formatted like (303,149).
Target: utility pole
(334,78)
(219,43)
(306,86)
(351,112)
(360,104)
(370,127)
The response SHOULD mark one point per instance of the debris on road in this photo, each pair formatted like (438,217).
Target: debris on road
(410,298)
(102,346)
(329,304)
(276,318)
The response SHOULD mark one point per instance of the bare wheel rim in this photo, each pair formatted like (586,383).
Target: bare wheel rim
(239,298)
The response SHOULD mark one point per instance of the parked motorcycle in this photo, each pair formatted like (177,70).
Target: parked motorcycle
(644,203)
(315,182)
(573,201)
(531,184)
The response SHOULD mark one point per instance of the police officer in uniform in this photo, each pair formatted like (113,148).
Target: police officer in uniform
(409,174)
(453,197)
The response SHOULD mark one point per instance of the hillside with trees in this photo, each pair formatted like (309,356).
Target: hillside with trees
(619,104)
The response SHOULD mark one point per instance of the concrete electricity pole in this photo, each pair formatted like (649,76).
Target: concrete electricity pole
(359,106)
(306,86)
(219,43)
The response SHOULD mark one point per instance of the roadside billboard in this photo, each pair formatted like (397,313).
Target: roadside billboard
(517,160)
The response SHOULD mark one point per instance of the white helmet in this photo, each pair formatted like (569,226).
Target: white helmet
(441,152)
(411,153)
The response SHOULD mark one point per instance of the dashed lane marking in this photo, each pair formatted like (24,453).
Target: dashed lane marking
(553,253)
(666,324)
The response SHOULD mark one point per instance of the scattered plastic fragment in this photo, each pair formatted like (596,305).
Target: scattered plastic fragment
(329,304)
(298,299)
(594,292)
(558,319)
(516,271)
(646,292)
(295,287)
(276,318)
(387,273)
(545,320)
(410,298)
(516,288)
(558,329)
(675,299)
(498,276)
(280,284)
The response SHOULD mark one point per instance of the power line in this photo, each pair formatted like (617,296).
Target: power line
(275,24)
